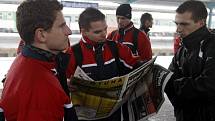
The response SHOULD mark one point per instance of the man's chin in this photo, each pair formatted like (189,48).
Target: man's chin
(183,36)
(180,35)
(120,26)
(103,40)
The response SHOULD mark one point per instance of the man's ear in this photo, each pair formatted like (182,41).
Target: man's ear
(84,32)
(40,35)
(202,22)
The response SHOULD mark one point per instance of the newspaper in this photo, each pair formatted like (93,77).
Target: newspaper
(99,99)
(148,95)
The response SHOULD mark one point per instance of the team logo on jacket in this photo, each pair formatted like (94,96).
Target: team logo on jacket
(54,71)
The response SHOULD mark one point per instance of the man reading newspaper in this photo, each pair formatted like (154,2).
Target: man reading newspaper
(99,99)
(100,70)
(100,59)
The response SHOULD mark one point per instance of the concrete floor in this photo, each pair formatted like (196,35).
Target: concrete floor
(165,113)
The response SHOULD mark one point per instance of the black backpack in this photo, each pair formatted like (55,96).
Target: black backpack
(135,39)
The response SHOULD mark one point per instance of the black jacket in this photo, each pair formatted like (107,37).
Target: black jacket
(191,89)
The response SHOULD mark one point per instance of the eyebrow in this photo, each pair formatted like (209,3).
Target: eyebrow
(181,23)
(98,31)
(63,24)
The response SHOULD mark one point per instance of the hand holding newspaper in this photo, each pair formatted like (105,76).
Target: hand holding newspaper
(99,99)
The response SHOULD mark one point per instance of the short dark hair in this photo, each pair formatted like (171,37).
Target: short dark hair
(146,16)
(33,14)
(90,15)
(197,8)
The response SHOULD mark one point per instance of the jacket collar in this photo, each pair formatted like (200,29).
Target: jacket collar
(37,53)
(146,30)
(129,27)
(86,40)
(193,40)
(91,44)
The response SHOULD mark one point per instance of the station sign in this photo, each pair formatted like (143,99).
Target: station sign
(73,4)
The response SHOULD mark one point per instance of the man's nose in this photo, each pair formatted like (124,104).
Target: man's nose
(68,31)
(120,20)
(178,29)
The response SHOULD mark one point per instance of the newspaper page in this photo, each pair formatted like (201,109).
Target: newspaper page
(99,99)
(135,76)
(148,95)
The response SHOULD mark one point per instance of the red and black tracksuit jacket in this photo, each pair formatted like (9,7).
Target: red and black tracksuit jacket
(90,66)
(125,36)
(109,69)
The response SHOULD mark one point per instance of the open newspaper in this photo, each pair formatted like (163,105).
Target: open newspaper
(148,94)
(99,99)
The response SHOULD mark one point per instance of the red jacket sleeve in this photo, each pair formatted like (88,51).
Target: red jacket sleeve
(126,56)
(144,47)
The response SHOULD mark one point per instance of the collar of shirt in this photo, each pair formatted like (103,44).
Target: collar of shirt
(37,53)
(91,44)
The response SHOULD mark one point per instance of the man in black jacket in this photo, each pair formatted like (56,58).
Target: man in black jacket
(191,89)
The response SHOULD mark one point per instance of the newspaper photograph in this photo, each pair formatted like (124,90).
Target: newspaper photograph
(148,95)
(99,99)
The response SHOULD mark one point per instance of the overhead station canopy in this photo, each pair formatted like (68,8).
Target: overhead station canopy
(154,2)
(157,2)
(172,4)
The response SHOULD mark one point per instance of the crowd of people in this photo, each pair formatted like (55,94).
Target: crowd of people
(36,86)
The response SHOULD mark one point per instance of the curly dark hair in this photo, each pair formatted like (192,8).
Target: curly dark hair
(33,14)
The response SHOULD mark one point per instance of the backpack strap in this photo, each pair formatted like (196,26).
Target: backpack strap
(112,34)
(2,117)
(135,39)
(115,52)
(78,54)
(114,49)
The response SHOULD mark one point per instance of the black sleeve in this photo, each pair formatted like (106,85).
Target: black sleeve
(70,114)
(169,89)
(2,118)
(202,86)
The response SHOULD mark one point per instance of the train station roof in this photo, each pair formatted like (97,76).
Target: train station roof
(171,3)
(154,2)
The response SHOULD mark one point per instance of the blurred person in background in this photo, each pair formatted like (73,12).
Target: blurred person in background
(177,43)
(146,22)
(128,35)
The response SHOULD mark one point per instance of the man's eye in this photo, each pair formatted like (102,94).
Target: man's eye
(96,32)
(182,23)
